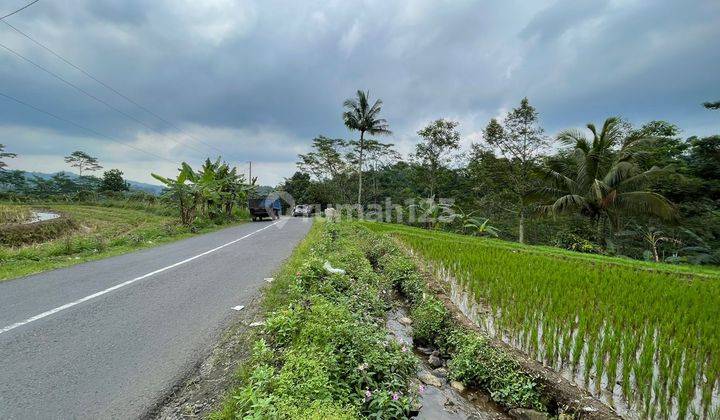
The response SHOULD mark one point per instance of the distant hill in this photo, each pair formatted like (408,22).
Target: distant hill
(134,185)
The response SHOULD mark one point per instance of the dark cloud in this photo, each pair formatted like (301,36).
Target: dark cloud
(259,79)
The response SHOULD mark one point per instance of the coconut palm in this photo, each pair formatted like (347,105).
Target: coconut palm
(606,181)
(360,116)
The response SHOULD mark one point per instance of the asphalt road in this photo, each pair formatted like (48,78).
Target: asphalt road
(109,338)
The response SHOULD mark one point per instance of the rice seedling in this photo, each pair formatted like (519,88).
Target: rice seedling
(651,329)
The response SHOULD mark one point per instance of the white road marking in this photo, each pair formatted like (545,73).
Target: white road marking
(121,285)
(239,307)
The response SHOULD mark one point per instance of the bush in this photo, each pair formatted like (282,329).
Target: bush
(404,276)
(475,362)
(431,323)
(576,243)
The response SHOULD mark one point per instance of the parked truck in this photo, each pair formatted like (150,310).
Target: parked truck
(260,208)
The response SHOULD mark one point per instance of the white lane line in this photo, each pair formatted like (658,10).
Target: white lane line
(121,285)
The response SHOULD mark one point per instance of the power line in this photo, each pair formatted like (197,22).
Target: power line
(20,9)
(82,127)
(107,86)
(90,95)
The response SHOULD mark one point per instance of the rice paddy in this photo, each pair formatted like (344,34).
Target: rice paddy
(14,214)
(640,336)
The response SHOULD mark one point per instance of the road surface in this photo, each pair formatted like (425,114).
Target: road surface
(109,338)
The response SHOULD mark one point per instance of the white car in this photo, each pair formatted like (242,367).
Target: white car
(302,210)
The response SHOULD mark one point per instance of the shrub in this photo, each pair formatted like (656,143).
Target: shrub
(431,322)
(475,362)
(401,271)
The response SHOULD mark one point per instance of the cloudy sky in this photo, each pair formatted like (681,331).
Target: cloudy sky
(258,80)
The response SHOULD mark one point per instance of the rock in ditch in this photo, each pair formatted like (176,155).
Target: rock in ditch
(429,379)
(441,373)
(405,321)
(527,414)
(435,361)
(457,386)
(425,350)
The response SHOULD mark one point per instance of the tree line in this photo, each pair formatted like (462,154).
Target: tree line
(18,182)
(214,193)
(613,188)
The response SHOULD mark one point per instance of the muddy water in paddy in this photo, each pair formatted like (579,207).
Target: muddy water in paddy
(444,402)
(41,216)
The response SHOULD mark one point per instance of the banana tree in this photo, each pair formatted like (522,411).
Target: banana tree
(183,191)
(480,227)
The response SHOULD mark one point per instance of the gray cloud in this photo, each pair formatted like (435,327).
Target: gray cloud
(259,79)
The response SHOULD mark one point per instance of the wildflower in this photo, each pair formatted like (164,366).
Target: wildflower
(395,396)
(362,366)
(368,395)
(404,349)
(421,388)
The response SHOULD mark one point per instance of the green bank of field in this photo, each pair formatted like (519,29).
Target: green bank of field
(646,331)
(82,233)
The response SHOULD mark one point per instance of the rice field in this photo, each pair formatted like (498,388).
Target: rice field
(14,214)
(644,337)
(102,231)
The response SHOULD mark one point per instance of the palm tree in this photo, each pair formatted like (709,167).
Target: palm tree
(360,116)
(606,181)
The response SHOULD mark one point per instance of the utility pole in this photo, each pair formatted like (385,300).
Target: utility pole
(250,171)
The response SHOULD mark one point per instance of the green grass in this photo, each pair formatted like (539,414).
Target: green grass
(652,327)
(103,232)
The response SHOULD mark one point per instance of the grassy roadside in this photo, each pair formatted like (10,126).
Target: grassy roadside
(102,232)
(324,350)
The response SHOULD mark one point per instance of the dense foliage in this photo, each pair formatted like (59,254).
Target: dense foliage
(598,194)
(646,331)
(211,193)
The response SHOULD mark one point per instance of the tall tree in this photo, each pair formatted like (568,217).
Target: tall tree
(4,154)
(377,155)
(606,182)
(83,161)
(112,180)
(521,140)
(360,116)
(328,163)
(439,139)
(712,105)
(13,180)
